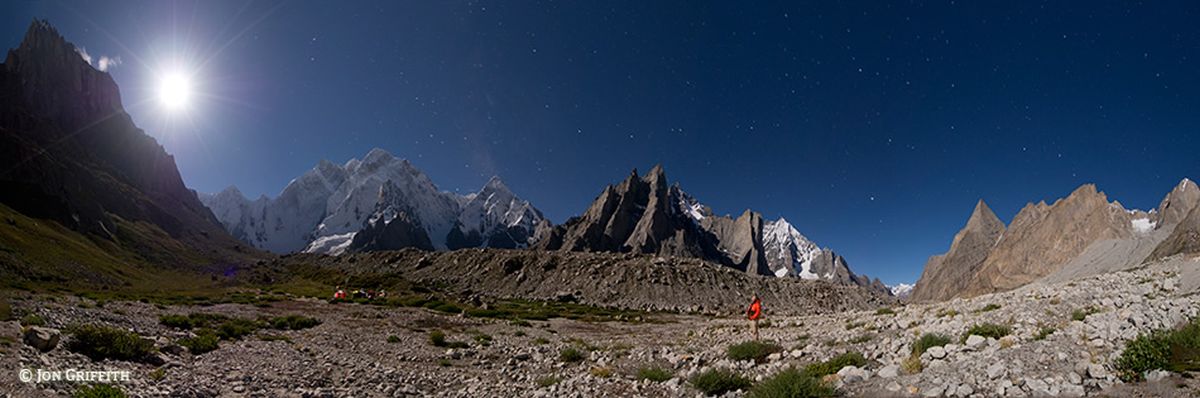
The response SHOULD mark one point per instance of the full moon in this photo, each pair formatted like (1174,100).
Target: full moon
(175,91)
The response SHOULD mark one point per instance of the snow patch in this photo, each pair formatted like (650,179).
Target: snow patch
(1143,225)
(901,289)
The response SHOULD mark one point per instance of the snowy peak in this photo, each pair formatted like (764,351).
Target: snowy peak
(324,209)
(788,252)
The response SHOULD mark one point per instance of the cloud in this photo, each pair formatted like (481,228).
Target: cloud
(104,63)
(107,63)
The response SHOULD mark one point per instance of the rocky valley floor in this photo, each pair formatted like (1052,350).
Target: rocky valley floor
(1062,340)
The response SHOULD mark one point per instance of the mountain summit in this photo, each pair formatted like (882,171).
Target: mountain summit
(325,210)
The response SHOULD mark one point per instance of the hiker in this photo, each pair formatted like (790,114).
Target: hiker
(754,312)
(339,294)
(382,294)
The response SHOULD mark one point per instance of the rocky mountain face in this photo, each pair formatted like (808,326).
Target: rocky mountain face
(648,215)
(1082,234)
(944,273)
(327,208)
(69,153)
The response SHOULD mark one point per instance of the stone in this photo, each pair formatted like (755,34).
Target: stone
(853,374)
(43,339)
(933,392)
(1037,386)
(893,386)
(1071,390)
(889,371)
(1156,375)
(975,342)
(1097,371)
(936,352)
(996,371)
(964,390)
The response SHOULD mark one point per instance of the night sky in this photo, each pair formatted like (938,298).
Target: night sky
(872,129)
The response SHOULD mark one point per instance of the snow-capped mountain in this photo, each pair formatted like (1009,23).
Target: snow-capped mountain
(323,210)
(901,290)
(789,252)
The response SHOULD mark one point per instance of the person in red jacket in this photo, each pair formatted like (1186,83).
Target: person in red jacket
(754,312)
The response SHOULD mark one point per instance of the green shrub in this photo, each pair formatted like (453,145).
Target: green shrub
(791,383)
(927,341)
(719,382)
(862,338)
(987,330)
(1080,314)
(235,329)
(393,339)
(835,364)
(540,341)
(1043,333)
(5,310)
(294,322)
(1176,350)
(33,320)
(483,339)
(852,325)
(274,337)
(99,391)
(990,307)
(884,311)
(548,381)
(752,350)
(205,341)
(192,321)
(571,355)
(437,338)
(102,342)
(654,373)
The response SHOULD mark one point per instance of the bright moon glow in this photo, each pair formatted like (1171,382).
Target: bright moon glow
(175,91)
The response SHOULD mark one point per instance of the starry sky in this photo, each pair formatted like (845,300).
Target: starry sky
(873,130)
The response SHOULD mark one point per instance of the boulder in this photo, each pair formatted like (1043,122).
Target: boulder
(43,339)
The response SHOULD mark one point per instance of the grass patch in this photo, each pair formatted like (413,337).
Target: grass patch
(835,364)
(912,364)
(540,341)
(236,328)
(719,382)
(852,325)
(274,337)
(206,341)
(438,339)
(548,381)
(393,339)
(293,322)
(571,355)
(33,320)
(1043,333)
(99,391)
(862,338)
(989,307)
(752,350)
(602,372)
(792,383)
(884,311)
(987,330)
(654,373)
(1079,314)
(192,321)
(1176,350)
(445,363)
(927,341)
(5,310)
(102,342)
(947,313)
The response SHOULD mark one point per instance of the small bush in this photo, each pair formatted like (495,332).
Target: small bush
(274,337)
(884,311)
(205,341)
(33,320)
(483,339)
(1175,350)
(103,342)
(235,329)
(437,338)
(393,339)
(158,374)
(990,307)
(192,321)
(1043,333)
(445,363)
(987,330)
(294,322)
(752,350)
(719,382)
(548,381)
(5,310)
(862,338)
(852,325)
(947,313)
(655,374)
(540,341)
(912,364)
(99,391)
(520,323)
(927,341)
(835,364)
(791,383)
(571,355)
(602,372)
(1080,314)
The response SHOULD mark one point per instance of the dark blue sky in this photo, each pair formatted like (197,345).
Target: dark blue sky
(873,129)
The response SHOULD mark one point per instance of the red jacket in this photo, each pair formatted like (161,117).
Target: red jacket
(755,310)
